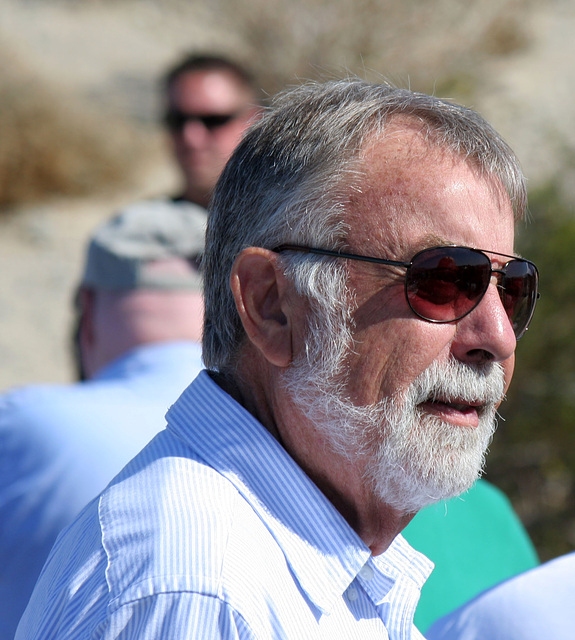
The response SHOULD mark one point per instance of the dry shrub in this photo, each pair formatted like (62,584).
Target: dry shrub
(54,143)
(414,41)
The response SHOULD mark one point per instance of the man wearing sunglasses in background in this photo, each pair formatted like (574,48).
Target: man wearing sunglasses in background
(209,103)
(363,304)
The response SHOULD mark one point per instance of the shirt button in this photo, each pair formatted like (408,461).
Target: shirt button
(366,572)
(352,594)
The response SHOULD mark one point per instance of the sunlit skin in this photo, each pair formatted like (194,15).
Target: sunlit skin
(409,197)
(445,203)
(201,153)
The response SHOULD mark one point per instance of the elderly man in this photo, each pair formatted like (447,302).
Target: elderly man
(363,304)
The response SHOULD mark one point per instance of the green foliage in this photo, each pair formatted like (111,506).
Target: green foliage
(533,455)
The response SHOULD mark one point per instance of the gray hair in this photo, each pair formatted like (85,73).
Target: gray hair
(289,181)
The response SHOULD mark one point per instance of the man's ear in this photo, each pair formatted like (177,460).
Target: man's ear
(84,335)
(85,309)
(261,293)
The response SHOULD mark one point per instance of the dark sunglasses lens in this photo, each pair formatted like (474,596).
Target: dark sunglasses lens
(215,122)
(177,120)
(446,283)
(518,292)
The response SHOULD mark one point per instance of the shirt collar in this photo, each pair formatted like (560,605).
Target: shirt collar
(323,551)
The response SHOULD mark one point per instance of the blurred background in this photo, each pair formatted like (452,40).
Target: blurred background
(79,137)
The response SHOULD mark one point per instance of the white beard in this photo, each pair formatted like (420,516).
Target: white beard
(410,458)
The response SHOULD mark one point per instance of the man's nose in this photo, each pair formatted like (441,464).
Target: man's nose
(485,334)
(194,132)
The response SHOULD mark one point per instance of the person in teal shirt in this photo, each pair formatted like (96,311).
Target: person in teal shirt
(475,541)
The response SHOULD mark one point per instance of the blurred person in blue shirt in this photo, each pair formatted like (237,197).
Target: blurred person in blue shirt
(140,312)
(536,604)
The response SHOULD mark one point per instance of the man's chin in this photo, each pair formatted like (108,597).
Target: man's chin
(411,496)
(424,476)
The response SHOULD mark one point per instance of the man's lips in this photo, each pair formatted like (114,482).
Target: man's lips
(458,413)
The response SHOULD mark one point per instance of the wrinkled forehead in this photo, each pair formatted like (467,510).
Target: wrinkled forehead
(406,184)
(408,145)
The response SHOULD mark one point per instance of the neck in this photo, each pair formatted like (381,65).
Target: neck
(380,530)
(196,196)
(251,397)
(340,479)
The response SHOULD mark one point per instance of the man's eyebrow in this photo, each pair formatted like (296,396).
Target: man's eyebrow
(433,240)
(428,241)
(403,251)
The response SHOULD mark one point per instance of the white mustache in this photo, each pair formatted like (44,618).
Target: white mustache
(456,382)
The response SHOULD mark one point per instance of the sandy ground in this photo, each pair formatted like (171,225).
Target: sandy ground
(40,257)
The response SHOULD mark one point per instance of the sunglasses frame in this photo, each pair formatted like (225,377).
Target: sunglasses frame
(407,265)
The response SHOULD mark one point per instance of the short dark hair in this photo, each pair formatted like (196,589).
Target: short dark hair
(206,62)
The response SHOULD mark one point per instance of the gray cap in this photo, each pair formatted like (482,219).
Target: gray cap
(123,248)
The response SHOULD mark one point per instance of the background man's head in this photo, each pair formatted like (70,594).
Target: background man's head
(141,283)
(210,101)
(372,170)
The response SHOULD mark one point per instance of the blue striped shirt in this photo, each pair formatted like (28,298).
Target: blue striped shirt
(213,531)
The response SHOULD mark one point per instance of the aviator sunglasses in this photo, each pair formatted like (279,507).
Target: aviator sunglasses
(176,120)
(444,284)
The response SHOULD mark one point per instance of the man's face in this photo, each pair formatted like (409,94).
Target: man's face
(415,404)
(202,144)
(423,198)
